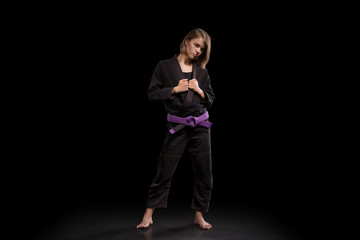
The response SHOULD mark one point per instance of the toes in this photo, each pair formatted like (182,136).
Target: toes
(141,226)
(205,226)
(144,225)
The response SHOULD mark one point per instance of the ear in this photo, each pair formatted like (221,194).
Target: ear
(186,42)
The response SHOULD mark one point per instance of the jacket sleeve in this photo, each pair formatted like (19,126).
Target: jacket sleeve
(209,93)
(159,89)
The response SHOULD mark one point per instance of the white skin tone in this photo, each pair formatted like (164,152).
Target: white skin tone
(194,48)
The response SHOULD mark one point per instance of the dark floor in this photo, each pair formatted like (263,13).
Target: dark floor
(175,222)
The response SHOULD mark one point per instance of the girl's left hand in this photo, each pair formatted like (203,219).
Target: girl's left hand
(194,85)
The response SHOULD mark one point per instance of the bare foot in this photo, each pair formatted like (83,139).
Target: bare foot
(199,220)
(145,223)
(147,219)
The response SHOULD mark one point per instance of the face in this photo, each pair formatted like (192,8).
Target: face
(194,47)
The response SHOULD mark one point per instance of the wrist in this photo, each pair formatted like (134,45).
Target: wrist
(201,94)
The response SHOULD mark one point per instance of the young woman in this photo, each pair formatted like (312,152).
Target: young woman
(183,84)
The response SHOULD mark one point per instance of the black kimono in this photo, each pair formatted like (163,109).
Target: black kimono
(193,137)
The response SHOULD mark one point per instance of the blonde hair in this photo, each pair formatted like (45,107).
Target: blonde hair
(203,59)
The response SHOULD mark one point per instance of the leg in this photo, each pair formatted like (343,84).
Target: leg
(200,154)
(171,152)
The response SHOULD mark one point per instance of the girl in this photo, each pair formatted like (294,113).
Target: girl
(183,84)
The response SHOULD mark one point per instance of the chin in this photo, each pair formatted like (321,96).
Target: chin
(191,57)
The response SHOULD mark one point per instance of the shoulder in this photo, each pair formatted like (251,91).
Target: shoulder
(168,60)
(164,62)
(162,65)
(202,71)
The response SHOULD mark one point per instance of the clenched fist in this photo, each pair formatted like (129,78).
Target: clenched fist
(182,86)
(185,84)
(194,85)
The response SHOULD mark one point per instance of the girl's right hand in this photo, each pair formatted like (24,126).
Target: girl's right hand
(182,86)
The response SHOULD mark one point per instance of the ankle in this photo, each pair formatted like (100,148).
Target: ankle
(198,214)
(149,212)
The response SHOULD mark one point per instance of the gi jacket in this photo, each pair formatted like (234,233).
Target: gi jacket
(166,76)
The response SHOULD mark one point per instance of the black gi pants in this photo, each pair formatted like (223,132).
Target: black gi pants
(197,143)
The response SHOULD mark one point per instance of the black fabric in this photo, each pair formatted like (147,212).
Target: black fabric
(196,141)
(166,76)
(188,75)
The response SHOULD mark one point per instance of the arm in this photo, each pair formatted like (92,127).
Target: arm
(209,93)
(194,85)
(157,89)
(206,93)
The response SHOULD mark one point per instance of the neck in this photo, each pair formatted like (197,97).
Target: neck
(183,59)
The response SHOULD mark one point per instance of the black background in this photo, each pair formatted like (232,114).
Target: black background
(93,136)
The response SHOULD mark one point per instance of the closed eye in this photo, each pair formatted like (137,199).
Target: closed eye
(199,46)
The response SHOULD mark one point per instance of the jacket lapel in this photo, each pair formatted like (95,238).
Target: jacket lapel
(177,69)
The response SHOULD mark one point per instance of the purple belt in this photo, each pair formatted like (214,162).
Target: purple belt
(188,121)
